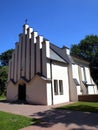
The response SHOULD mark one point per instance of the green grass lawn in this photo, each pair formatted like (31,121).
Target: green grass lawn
(2,97)
(82,106)
(10,121)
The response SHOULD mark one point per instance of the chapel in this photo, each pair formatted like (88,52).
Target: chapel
(43,73)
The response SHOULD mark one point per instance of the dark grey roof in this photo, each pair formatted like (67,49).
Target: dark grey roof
(61,54)
(56,57)
(43,77)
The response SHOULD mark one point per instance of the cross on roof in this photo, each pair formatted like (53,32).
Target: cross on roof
(26,21)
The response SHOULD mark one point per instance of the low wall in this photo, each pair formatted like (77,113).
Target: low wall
(88,98)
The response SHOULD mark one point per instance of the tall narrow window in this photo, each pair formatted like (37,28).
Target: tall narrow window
(55,87)
(61,87)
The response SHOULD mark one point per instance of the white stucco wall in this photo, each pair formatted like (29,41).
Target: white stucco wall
(48,70)
(59,72)
(91,89)
(36,91)
(12,92)
(49,94)
(95,87)
(88,77)
(82,73)
(75,74)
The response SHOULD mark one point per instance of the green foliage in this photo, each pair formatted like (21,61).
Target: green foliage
(87,49)
(4,59)
(82,106)
(3,78)
(14,122)
(5,56)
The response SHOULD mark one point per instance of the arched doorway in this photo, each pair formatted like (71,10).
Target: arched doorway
(22,92)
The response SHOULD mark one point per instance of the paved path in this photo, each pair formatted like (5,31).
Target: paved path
(52,119)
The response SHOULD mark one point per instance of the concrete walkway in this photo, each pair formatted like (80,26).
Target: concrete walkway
(52,119)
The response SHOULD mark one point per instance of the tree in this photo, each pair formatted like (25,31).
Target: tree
(4,59)
(87,49)
(3,78)
(5,56)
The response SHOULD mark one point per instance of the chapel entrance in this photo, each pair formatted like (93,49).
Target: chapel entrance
(22,92)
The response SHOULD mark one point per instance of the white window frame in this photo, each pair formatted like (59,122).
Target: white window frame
(58,87)
(61,91)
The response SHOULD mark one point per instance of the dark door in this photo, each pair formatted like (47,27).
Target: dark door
(22,92)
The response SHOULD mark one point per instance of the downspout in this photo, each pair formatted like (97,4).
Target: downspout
(51,80)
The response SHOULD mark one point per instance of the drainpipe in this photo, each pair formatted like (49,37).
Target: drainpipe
(51,80)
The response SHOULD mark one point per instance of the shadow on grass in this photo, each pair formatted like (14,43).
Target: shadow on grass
(3,101)
(19,102)
(68,118)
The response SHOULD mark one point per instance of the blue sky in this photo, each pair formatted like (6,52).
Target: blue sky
(63,22)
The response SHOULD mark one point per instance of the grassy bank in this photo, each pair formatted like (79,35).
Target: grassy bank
(2,97)
(82,106)
(14,122)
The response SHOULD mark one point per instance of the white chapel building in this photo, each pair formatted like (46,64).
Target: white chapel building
(42,73)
